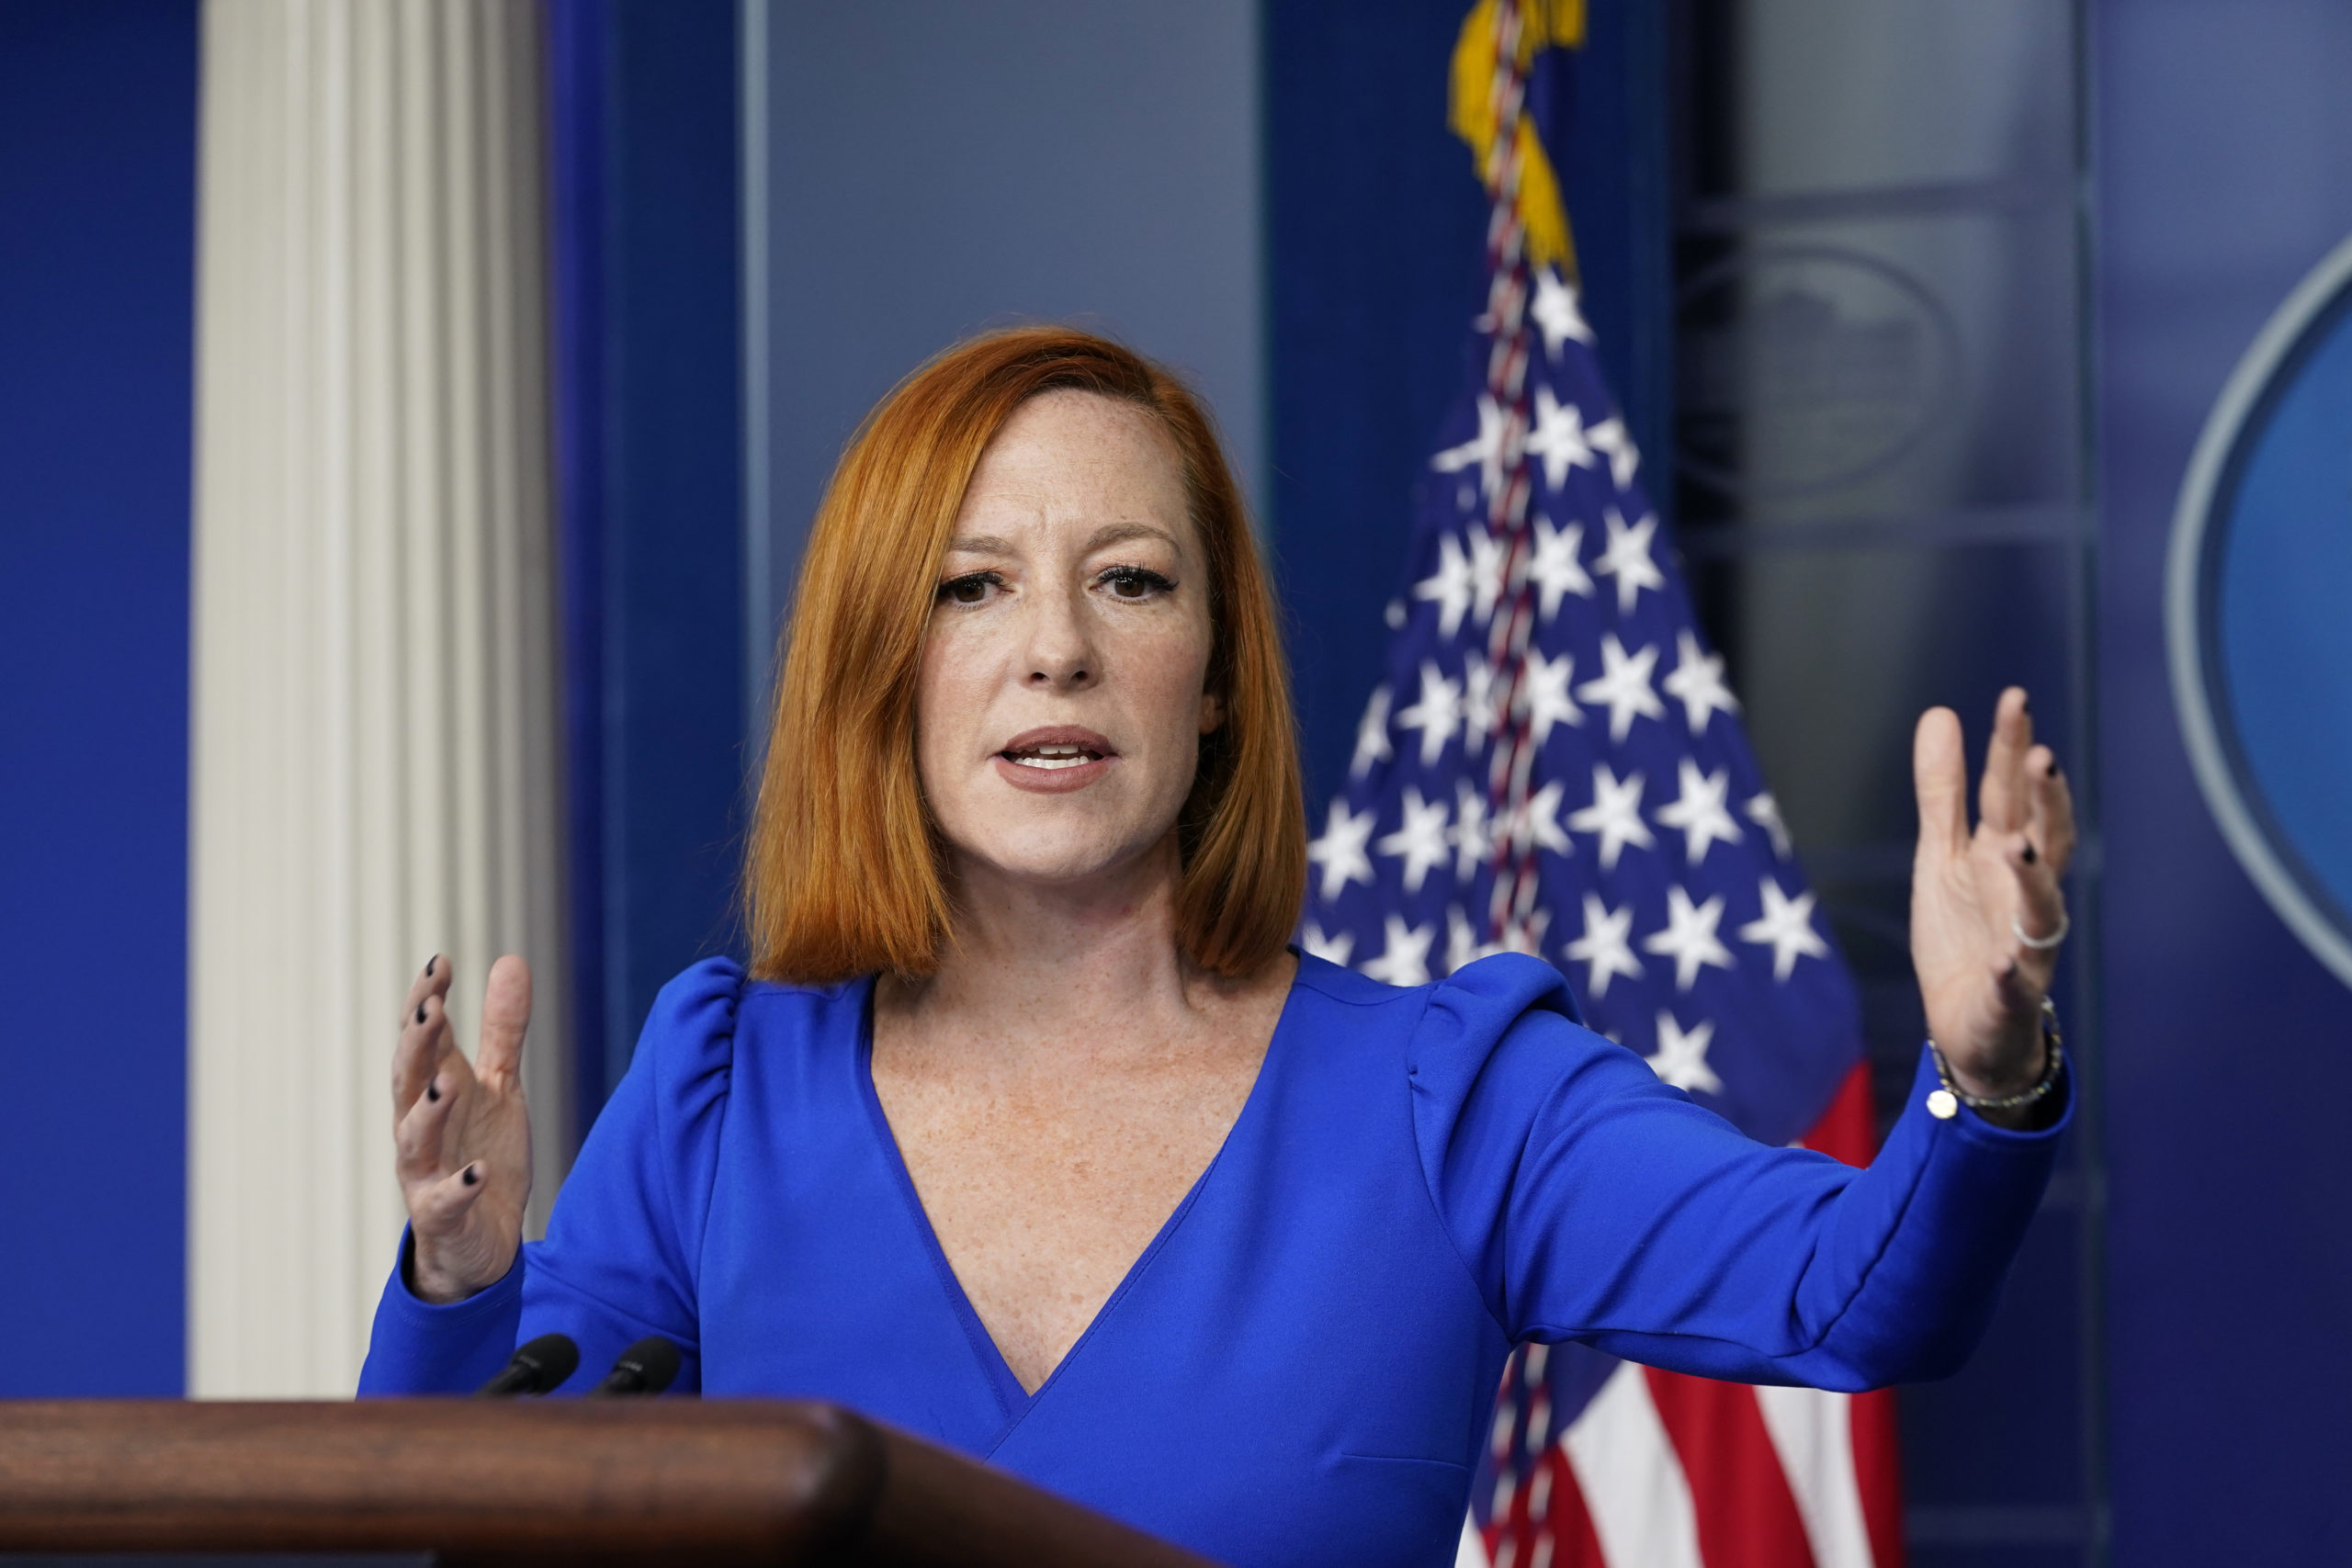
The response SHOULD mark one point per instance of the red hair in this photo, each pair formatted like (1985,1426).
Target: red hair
(843,876)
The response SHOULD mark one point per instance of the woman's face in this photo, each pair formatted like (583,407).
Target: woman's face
(1059,717)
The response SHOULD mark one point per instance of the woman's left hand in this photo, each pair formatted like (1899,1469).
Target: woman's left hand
(1974,893)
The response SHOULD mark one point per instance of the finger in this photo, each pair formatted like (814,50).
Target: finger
(2000,803)
(437,1208)
(414,1058)
(1939,773)
(505,1015)
(2053,815)
(419,1139)
(2040,911)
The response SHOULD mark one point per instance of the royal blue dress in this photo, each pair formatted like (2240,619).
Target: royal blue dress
(1300,1368)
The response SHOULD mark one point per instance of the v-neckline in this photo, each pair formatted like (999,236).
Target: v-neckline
(1016,1401)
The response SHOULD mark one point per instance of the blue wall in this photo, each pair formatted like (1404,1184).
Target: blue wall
(97,214)
(649,455)
(2223,178)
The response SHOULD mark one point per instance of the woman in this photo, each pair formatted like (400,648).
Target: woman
(1026,1132)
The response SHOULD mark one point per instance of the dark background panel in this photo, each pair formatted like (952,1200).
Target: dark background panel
(97,241)
(2221,179)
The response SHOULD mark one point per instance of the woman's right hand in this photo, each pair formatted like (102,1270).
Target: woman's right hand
(461,1132)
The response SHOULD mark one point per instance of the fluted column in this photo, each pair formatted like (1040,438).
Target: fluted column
(376,761)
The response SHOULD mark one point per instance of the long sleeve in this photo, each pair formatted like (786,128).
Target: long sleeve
(623,1252)
(1589,1201)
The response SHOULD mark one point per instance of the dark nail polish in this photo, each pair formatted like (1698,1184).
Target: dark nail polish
(420,1012)
(2029,856)
(470,1177)
(433,1092)
(2053,767)
(429,964)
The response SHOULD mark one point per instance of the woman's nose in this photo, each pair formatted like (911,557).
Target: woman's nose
(1061,656)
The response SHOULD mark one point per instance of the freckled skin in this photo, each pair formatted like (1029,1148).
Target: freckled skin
(1060,1083)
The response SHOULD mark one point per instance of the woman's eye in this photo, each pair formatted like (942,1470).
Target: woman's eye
(969,590)
(1136,582)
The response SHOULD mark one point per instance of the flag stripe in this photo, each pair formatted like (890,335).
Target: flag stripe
(1573,1540)
(1633,1480)
(1870,1418)
(1812,1433)
(1748,1515)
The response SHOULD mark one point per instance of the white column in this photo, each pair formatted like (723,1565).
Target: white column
(376,764)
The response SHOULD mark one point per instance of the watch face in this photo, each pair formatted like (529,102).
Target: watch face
(2259,612)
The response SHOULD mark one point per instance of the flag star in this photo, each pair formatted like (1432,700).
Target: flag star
(1764,812)
(1699,812)
(1623,686)
(1404,960)
(1371,735)
(1436,715)
(1697,683)
(1450,586)
(1339,851)
(1469,834)
(1488,556)
(1419,840)
(1627,558)
(1484,449)
(1610,438)
(1559,437)
(1681,1058)
(1536,821)
(1689,937)
(1554,568)
(1615,815)
(1605,946)
(1333,948)
(1461,943)
(1543,697)
(1786,926)
(1482,700)
(1556,314)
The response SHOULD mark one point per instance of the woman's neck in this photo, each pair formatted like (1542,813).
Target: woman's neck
(1093,967)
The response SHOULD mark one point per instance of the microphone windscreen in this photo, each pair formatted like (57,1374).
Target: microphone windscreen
(646,1367)
(539,1367)
(551,1358)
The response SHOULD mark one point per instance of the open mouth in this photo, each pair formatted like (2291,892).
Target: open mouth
(1051,757)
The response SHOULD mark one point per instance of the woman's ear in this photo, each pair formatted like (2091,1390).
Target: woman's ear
(1212,713)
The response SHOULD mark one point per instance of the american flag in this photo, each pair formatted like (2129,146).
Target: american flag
(1555,764)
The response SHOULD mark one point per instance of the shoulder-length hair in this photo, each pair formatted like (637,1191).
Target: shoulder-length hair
(844,871)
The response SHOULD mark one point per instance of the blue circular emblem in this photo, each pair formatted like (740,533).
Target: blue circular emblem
(2259,611)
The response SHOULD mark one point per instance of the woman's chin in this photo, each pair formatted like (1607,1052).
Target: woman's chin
(1056,864)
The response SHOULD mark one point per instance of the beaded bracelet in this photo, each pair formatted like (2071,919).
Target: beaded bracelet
(2054,1058)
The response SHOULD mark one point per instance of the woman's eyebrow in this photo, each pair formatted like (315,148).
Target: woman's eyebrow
(1120,532)
(979,545)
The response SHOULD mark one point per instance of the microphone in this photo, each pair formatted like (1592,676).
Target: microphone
(645,1368)
(539,1366)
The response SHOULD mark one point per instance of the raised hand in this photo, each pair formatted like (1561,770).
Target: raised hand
(1977,896)
(462,1133)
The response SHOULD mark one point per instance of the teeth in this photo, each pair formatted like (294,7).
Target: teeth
(1055,756)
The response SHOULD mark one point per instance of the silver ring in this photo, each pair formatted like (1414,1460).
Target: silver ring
(2044,943)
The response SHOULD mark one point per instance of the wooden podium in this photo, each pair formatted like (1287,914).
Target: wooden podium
(540,1482)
